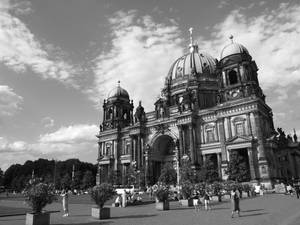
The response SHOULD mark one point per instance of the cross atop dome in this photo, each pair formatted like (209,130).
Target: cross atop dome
(191,36)
(119,83)
(192,46)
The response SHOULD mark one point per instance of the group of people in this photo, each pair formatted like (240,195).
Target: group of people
(206,198)
(291,189)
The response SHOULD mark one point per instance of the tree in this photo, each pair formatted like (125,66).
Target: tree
(186,172)
(238,169)
(208,173)
(131,176)
(1,177)
(66,181)
(168,174)
(88,180)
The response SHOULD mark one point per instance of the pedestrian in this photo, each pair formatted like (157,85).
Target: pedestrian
(289,189)
(207,200)
(198,203)
(235,202)
(297,190)
(65,202)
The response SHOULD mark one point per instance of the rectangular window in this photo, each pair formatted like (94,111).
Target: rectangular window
(210,136)
(239,129)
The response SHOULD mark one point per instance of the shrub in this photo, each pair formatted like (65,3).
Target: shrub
(161,193)
(187,189)
(101,193)
(38,195)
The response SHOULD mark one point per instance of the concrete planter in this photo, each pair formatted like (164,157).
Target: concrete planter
(100,213)
(162,205)
(187,202)
(38,218)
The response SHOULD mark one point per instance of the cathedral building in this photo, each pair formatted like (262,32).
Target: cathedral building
(208,109)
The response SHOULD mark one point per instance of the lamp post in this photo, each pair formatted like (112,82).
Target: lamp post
(98,176)
(146,163)
(177,165)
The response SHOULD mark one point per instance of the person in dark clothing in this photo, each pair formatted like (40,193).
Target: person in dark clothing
(297,190)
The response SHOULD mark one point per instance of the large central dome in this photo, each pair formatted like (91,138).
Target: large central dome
(192,63)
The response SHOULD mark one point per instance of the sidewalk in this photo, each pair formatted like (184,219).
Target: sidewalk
(270,209)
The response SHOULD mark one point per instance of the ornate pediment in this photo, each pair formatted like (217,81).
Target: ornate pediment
(239,139)
(161,128)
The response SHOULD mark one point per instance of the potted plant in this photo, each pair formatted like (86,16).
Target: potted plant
(100,194)
(187,189)
(161,194)
(38,195)
(217,188)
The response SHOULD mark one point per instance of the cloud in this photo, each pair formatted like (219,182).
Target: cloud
(47,122)
(71,134)
(223,3)
(20,50)
(272,39)
(141,54)
(67,142)
(10,102)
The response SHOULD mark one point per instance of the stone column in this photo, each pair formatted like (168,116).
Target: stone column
(195,145)
(204,159)
(183,142)
(251,164)
(147,164)
(229,127)
(115,151)
(220,123)
(142,150)
(180,141)
(134,149)
(219,160)
(192,144)
(138,163)
(202,134)
(249,128)
(260,140)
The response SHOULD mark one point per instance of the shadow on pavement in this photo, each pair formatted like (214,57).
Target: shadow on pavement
(219,208)
(252,210)
(134,216)
(254,214)
(89,223)
(181,208)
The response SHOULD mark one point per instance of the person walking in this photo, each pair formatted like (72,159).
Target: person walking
(65,202)
(207,200)
(235,202)
(297,190)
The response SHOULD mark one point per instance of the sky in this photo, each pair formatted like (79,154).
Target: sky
(59,60)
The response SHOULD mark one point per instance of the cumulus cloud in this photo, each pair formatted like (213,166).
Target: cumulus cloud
(20,50)
(271,38)
(141,54)
(71,134)
(10,102)
(67,142)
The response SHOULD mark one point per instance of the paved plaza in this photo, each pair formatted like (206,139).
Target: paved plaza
(271,209)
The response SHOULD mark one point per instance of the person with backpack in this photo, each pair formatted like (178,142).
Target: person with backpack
(235,201)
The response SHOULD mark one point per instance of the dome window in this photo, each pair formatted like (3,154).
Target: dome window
(233,79)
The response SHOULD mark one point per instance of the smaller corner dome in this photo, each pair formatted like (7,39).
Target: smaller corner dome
(232,49)
(118,92)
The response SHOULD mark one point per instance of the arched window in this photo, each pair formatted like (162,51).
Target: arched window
(232,75)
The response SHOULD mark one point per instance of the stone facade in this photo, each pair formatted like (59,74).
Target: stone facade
(207,109)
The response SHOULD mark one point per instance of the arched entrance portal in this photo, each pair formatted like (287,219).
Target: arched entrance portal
(162,152)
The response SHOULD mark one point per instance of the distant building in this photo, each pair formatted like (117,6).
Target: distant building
(208,108)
